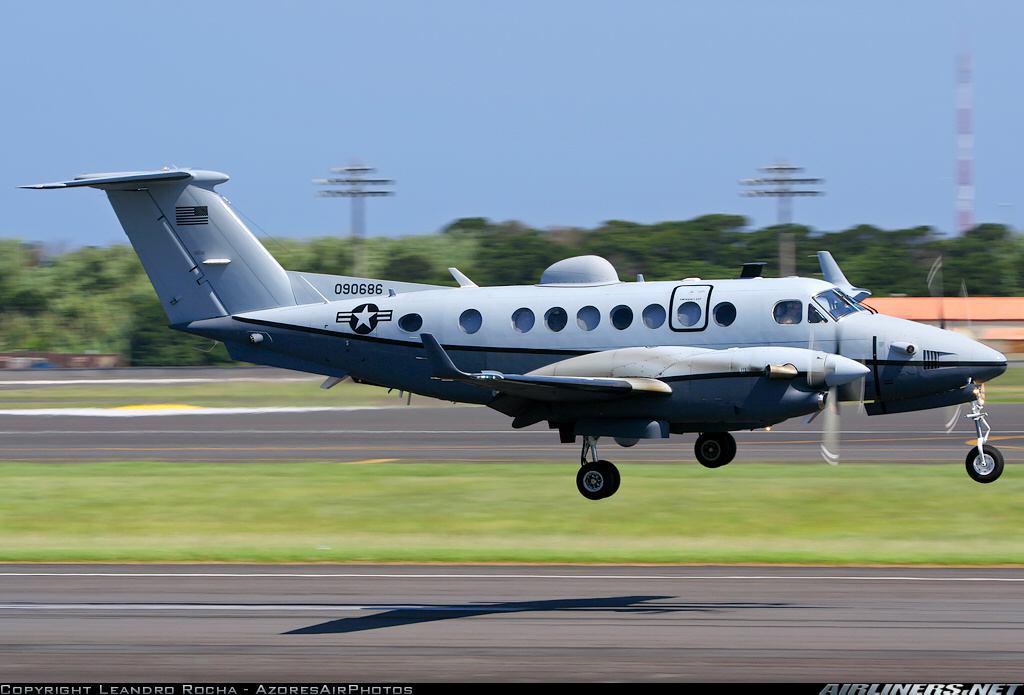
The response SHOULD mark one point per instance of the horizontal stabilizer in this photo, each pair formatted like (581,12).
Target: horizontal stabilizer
(116,179)
(541,388)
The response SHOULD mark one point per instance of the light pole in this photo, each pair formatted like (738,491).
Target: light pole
(780,182)
(356,185)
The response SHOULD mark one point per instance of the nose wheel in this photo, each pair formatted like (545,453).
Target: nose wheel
(984,462)
(984,466)
(596,478)
(714,449)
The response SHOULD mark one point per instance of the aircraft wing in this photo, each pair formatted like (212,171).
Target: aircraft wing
(541,388)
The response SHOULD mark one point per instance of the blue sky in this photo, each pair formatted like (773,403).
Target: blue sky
(558,114)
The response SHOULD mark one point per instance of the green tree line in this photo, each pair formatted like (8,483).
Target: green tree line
(98,299)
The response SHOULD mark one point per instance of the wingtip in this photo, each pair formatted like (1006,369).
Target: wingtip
(41,186)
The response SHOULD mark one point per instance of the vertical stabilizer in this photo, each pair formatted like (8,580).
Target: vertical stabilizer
(202,260)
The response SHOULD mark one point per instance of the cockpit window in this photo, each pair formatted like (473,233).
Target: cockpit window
(856,303)
(788,311)
(813,315)
(837,304)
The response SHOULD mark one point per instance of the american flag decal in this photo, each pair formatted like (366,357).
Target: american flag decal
(188,215)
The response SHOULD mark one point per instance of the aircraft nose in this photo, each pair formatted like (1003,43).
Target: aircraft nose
(841,370)
(986,362)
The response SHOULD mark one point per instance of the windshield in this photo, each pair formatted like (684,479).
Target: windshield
(837,304)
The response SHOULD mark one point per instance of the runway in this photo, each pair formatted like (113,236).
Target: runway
(424,623)
(450,433)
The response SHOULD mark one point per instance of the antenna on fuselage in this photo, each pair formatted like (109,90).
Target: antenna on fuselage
(752,270)
(461,278)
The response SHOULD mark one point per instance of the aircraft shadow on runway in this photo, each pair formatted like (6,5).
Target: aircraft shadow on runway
(400,616)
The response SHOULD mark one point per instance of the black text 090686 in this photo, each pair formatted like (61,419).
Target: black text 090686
(358,288)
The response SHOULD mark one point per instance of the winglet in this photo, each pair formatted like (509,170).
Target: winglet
(833,274)
(443,366)
(461,278)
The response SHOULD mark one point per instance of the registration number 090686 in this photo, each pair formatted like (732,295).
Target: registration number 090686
(358,288)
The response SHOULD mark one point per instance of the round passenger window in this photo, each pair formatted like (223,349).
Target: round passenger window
(470,321)
(523,320)
(788,311)
(410,323)
(654,316)
(556,318)
(588,318)
(725,314)
(688,314)
(622,317)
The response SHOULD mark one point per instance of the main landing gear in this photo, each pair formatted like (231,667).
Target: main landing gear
(984,461)
(714,449)
(597,478)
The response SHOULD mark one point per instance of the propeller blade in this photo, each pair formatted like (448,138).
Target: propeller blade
(935,273)
(936,288)
(953,412)
(816,372)
(967,307)
(830,429)
(954,418)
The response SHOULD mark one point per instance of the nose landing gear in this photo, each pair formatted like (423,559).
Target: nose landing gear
(984,461)
(596,478)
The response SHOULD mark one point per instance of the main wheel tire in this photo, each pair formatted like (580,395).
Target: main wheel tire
(987,468)
(613,475)
(714,449)
(597,480)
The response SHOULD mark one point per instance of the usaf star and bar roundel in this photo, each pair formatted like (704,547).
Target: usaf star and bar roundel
(364,318)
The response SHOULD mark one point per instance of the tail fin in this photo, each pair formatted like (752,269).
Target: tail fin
(202,260)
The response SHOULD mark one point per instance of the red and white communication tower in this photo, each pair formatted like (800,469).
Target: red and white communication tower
(964,145)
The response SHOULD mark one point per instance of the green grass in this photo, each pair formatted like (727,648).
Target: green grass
(1006,388)
(746,513)
(216,394)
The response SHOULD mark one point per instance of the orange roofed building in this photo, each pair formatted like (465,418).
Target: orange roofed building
(997,321)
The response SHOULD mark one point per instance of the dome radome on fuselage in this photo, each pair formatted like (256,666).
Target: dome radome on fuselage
(580,270)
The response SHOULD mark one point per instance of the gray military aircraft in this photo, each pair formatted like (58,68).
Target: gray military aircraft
(582,351)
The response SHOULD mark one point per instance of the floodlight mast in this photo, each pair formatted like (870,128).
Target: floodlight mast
(357,186)
(780,182)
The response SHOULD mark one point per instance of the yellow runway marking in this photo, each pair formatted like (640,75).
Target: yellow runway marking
(369,461)
(1002,438)
(158,406)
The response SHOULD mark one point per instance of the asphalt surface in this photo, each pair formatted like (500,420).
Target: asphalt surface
(342,623)
(449,433)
